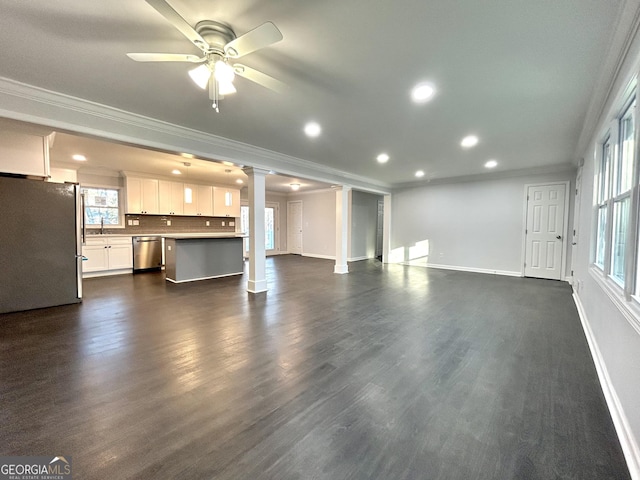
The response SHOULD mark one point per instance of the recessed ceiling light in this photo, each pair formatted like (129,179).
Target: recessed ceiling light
(79,158)
(420,173)
(312,129)
(469,141)
(176,172)
(382,158)
(491,164)
(239,181)
(295,186)
(423,92)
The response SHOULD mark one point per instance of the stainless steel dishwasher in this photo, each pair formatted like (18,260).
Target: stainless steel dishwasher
(147,254)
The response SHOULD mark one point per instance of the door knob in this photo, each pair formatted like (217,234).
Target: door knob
(559,237)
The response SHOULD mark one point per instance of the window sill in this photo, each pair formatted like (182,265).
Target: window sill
(629,308)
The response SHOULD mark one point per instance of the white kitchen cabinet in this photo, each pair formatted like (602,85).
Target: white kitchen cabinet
(226,202)
(205,200)
(198,200)
(96,255)
(170,198)
(142,195)
(107,255)
(22,153)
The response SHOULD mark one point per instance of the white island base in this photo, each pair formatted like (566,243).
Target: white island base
(197,257)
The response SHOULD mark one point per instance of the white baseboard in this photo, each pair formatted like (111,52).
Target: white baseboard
(358,259)
(475,270)
(107,273)
(314,255)
(630,446)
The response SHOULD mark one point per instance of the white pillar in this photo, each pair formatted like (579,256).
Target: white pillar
(257,278)
(386,229)
(342,229)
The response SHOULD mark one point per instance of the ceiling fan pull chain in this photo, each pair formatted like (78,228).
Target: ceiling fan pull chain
(213,93)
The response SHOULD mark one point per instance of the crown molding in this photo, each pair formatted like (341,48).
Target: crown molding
(20,101)
(486,177)
(622,56)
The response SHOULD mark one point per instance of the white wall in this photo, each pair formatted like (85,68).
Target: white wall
(615,343)
(364,217)
(469,225)
(318,223)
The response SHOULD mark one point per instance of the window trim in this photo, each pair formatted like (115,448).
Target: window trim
(626,293)
(121,221)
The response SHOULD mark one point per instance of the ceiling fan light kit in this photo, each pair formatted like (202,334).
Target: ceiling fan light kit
(219,44)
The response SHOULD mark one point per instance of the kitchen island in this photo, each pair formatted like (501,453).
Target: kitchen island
(198,256)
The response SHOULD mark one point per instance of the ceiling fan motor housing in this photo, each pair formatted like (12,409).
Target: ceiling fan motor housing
(216,34)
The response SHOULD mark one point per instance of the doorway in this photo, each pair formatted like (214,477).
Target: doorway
(294,226)
(545,241)
(271,228)
(380,229)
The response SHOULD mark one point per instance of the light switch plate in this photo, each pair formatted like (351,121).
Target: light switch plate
(136,222)
(223,223)
(168,223)
(207,223)
(232,224)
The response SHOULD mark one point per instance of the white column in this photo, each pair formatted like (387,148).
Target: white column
(257,279)
(386,229)
(342,229)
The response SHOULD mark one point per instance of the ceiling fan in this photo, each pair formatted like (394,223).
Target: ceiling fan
(220,47)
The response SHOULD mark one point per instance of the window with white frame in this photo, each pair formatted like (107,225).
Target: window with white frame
(613,250)
(101,205)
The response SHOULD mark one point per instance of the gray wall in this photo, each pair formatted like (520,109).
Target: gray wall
(473,224)
(364,216)
(318,223)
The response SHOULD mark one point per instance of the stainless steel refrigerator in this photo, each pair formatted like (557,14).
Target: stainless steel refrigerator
(40,244)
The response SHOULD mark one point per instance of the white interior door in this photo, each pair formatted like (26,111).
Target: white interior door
(544,235)
(294,227)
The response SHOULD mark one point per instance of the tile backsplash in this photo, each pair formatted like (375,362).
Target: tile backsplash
(178,224)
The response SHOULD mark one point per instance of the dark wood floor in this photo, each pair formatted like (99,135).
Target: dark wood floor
(386,373)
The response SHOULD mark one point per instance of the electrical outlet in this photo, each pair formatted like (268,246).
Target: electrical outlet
(223,223)
(207,223)
(129,222)
(168,223)
(169,247)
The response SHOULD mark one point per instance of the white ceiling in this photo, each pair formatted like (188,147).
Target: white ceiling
(519,74)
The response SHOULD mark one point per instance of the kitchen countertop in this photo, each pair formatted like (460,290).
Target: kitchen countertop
(170,235)
(186,236)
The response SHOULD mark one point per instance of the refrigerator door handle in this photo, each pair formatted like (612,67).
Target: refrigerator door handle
(82,222)
(80,237)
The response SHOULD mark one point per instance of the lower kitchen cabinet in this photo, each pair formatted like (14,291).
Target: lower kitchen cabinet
(107,256)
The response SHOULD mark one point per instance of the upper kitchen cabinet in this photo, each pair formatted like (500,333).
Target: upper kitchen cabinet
(24,154)
(142,195)
(170,198)
(226,202)
(198,200)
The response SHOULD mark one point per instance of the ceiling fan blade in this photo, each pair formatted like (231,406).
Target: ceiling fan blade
(259,78)
(260,37)
(164,57)
(167,11)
